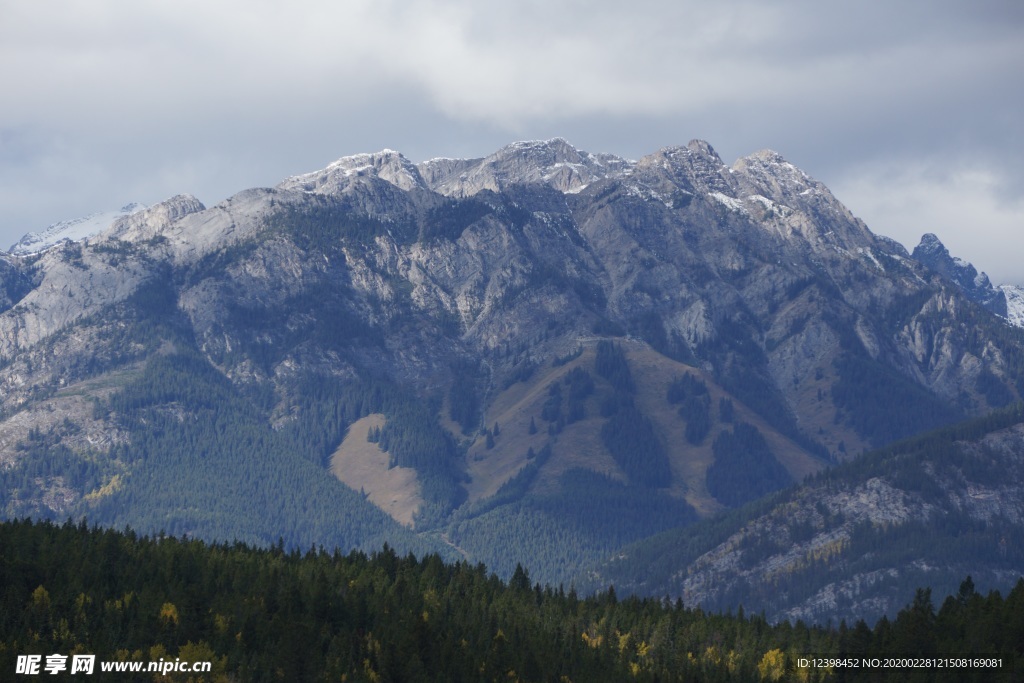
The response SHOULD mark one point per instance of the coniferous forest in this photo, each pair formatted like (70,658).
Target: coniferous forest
(272,615)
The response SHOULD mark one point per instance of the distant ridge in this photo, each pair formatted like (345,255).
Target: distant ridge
(73,229)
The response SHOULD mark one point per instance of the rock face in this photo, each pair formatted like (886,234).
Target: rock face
(553,162)
(480,283)
(934,254)
(388,165)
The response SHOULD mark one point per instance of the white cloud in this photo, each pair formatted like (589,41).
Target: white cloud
(509,63)
(966,206)
(107,101)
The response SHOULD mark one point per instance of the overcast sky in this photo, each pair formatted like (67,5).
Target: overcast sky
(910,111)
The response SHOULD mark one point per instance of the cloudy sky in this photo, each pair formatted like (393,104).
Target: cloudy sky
(911,112)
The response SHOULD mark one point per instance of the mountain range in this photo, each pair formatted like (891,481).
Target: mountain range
(540,357)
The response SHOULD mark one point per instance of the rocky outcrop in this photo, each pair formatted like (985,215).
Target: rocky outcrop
(855,542)
(936,257)
(388,165)
(552,162)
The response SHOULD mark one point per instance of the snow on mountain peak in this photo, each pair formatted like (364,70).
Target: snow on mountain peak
(554,162)
(387,164)
(74,229)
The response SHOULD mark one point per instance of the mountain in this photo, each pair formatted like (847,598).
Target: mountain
(73,230)
(539,356)
(854,542)
(934,254)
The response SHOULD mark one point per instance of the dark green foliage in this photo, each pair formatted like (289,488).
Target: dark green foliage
(522,373)
(581,385)
(513,489)
(590,517)
(321,313)
(613,402)
(413,438)
(692,393)
(611,364)
(323,223)
(696,411)
(217,470)
(192,432)
(881,404)
(683,386)
(995,391)
(595,502)
(43,462)
(268,615)
(450,219)
(571,356)
(744,468)
(552,408)
(464,398)
(608,328)
(741,367)
(651,329)
(629,436)
(726,411)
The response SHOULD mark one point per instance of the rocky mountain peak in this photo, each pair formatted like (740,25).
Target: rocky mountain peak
(695,168)
(768,174)
(703,147)
(554,162)
(934,255)
(153,221)
(931,247)
(386,164)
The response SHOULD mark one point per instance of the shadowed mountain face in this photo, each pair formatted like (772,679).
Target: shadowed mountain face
(559,353)
(854,542)
(933,254)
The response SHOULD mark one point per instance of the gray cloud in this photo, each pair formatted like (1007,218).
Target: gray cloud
(111,101)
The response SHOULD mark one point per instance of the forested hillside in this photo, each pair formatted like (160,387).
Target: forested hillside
(273,615)
(855,541)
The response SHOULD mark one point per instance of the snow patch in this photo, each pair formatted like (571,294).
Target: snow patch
(1014,304)
(74,230)
(867,252)
(731,203)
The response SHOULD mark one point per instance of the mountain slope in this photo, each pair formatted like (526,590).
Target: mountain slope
(656,322)
(856,541)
